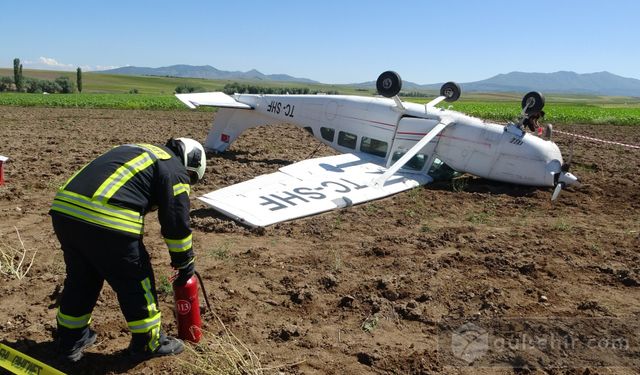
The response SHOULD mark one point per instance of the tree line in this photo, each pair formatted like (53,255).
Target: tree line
(245,88)
(239,88)
(20,83)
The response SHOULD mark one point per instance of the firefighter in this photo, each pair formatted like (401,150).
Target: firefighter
(98,217)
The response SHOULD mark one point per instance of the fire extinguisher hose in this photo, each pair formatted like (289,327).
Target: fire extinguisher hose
(204,292)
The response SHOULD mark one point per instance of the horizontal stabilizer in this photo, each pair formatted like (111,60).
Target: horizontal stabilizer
(213,99)
(306,188)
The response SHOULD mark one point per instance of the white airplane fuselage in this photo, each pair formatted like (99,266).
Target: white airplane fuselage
(379,130)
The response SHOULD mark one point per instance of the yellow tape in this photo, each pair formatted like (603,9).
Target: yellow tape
(21,364)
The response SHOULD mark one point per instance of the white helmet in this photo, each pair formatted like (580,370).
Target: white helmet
(194,158)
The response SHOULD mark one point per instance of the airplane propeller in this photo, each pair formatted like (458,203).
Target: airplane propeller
(565,178)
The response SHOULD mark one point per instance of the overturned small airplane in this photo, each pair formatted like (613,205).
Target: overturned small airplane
(388,146)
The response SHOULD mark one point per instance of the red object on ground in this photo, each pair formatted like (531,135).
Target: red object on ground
(2,160)
(188,311)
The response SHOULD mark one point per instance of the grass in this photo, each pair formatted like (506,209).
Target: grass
(459,184)
(164,286)
(370,323)
(13,259)
(221,251)
(592,110)
(117,101)
(336,265)
(223,353)
(561,225)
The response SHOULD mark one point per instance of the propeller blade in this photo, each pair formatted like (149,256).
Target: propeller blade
(557,191)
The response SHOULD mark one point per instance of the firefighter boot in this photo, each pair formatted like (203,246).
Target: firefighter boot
(167,345)
(72,348)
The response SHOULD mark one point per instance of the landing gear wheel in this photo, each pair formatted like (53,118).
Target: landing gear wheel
(389,84)
(451,91)
(535,102)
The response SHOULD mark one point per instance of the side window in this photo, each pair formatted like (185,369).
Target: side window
(347,139)
(327,134)
(308,129)
(416,163)
(374,147)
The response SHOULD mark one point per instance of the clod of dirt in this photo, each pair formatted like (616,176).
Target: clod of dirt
(379,251)
(366,359)
(346,301)
(383,283)
(391,295)
(254,252)
(284,333)
(328,281)
(409,311)
(527,269)
(626,278)
(301,296)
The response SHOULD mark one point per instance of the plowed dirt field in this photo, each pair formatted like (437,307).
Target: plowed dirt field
(383,287)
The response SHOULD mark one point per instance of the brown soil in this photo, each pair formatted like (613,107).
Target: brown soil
(367,289)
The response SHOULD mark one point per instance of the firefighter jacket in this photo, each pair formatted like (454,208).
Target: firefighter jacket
(116,190)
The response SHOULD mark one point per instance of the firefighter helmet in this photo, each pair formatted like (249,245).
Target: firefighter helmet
(193,157)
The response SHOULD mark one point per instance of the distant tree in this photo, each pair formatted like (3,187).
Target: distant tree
(16,71)
(133,91)
(17,74)
(38,86)
(20,84)
(186,88)
(66,84)
(79,79)
(6,84)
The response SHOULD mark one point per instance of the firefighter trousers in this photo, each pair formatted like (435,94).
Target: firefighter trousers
(92,255)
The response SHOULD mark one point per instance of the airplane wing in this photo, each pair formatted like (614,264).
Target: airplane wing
(306,188)
(214,99)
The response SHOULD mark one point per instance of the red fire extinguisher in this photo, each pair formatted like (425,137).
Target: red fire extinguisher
(188,310)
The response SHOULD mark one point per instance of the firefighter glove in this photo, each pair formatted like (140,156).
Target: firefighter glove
(184,274)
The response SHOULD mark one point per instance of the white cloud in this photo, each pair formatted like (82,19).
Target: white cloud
(49,63)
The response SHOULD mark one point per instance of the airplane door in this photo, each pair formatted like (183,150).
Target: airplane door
(409,131)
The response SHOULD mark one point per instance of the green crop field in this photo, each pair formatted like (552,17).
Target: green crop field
(117,101)
(112,91)
(575,113)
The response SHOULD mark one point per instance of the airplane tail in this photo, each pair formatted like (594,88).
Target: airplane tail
(228,124)
(230,121)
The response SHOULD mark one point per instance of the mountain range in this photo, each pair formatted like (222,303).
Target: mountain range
(204,71)
(565,82)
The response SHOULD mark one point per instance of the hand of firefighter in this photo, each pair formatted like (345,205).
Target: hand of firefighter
(185,273)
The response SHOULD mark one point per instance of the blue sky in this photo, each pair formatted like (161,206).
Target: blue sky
(332,41)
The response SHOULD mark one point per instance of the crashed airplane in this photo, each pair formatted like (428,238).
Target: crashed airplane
(387,146)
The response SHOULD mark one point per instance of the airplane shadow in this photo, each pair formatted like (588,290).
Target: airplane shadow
(241,157)
(207,212)
(90,363)
(472,184)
